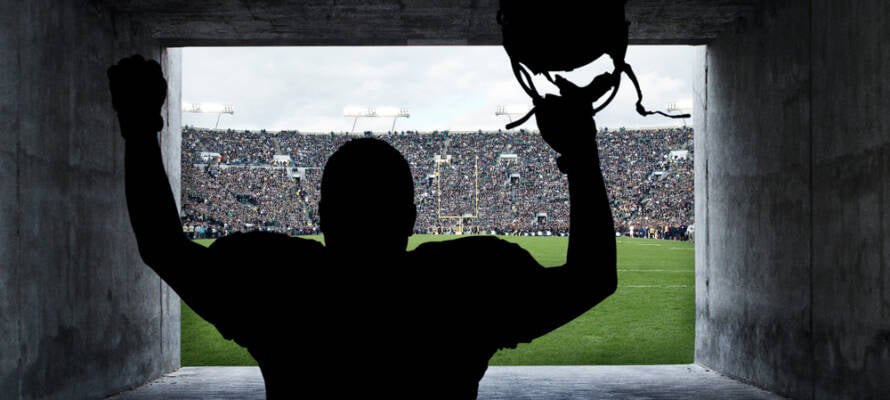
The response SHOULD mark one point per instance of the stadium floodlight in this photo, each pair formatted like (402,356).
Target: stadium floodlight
(209,108)
(682,106)
(357,112)
(510,111)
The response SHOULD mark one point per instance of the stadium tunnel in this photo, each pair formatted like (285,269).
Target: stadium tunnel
(792,146)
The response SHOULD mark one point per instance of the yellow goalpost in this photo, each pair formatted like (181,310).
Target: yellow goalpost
(460,218)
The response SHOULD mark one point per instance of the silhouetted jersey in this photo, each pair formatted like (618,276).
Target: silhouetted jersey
(421,326)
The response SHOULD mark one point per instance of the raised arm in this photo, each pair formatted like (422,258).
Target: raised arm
(567,125)
(589,274)
(138,91)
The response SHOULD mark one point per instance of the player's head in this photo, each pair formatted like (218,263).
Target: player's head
(367,198)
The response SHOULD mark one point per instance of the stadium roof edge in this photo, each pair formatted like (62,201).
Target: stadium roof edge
(180,23)
(450,132)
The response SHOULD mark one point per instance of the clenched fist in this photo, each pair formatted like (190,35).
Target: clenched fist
(566,121)
(138,91)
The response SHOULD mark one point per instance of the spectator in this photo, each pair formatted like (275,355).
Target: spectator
(478,188)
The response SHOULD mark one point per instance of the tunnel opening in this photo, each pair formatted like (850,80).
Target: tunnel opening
(261,118)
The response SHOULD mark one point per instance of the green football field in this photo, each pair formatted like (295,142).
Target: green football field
(649,320)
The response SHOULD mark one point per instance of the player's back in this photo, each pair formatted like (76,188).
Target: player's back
(424,325)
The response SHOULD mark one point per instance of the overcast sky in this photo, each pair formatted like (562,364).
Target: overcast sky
(443,88)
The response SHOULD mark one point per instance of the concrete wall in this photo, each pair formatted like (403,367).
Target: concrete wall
(851,202)
(793,289)
(80,316)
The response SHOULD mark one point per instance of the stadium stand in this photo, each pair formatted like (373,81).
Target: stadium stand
(465,182)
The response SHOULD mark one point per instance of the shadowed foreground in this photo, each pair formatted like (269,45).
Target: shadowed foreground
(502,383)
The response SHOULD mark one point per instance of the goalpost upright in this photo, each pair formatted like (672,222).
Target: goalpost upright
(446,159)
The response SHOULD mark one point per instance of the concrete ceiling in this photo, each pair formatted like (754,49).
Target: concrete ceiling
(392,22)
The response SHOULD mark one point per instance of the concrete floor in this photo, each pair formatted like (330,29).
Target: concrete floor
(515,383)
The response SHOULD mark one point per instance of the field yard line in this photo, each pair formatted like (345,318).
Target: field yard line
(655,270)
(656,286)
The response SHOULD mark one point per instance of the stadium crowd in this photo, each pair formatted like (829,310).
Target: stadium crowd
(465,182)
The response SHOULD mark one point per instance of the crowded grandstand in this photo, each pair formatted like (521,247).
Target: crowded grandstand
(503,182)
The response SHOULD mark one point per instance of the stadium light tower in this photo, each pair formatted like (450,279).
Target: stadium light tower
(682,106)
(357,112)
(218,109)
(510,111)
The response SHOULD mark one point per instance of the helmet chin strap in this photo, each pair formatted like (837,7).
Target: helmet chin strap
(640,109)
(525,80)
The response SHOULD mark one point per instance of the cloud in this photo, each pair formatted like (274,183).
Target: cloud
(457,88)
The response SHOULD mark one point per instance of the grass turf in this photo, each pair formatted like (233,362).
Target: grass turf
(649,320)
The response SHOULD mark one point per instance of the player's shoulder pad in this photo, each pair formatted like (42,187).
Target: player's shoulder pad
(469,242)
(258,241)
(482,248)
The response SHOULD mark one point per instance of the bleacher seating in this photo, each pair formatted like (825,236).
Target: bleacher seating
(520,190)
